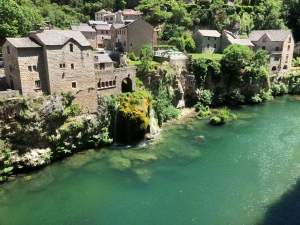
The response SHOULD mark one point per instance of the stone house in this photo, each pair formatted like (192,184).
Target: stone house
(52,61)
(280,47)
(229,38)
(207,41)
(99,16)
(103,33)
(130,14)
(129,38)
(88,32)
(103,62)
(24,66)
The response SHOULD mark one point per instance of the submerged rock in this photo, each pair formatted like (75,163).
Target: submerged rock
(149,136)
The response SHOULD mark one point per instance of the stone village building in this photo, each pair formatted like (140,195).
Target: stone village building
(130,38)
(207,41)
(280,47)
(52,61)
(278,43)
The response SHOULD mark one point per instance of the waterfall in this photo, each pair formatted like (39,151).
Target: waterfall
(116,118)
(154,128)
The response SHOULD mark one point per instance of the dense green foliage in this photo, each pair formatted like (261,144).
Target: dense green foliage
(177,17)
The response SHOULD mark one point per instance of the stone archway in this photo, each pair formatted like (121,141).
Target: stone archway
(126,85)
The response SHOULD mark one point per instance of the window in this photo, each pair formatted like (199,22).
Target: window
(34,68)
(38,84)
(106,83)
(71,47)
(99,84)
(72,66)
(102,31)
(207,45)
(74,84)
(29,68)
(287,58)
(111,18)
(124,32)
(276,59)
(215,46)
(62,65)
(274,68)
(285,67)
(8,50)
(289,47)
(110,83)
(102,84)
(106,32)
(208,38)
(263,47)
(290,39)
(114,82)
(264,39)
(102,66)
(10,68)
(131,44)
(215,38)
(124,43)
(276,48)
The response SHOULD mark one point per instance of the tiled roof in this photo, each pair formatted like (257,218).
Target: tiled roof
(274,35)
(131,12)
(118,25)
(23,43)
(102,27)
(103,58)
(92,22)
(245,42)
(210,33)
(60,37)
(83,28)
(102,11)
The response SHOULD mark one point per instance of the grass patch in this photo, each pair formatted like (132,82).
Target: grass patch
(136,63)
(215,56)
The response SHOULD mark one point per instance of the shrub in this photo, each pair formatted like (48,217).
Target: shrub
(206,97)
(256,98)
(132,56)
(237,97)
(223,116)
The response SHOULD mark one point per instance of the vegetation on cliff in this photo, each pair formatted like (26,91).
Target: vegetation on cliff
(36,131)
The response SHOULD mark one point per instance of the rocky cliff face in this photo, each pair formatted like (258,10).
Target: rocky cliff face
(35,131)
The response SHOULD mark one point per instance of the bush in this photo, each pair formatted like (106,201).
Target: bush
(203,110)
(223,116)
(237,97)
(206,97)
(132,56)
(256,98)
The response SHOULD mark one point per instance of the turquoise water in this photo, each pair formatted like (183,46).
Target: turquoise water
(245,172)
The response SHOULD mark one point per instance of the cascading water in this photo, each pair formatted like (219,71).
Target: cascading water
(154,128)
(115,127)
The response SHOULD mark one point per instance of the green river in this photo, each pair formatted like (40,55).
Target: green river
(244,172)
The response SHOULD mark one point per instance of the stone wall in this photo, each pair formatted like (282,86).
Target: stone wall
(9,93)
(110,81)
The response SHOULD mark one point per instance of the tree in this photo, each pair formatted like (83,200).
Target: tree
(291,15)
(178,42)
(146,55)
(235,58)
(190,44)
(16,21)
